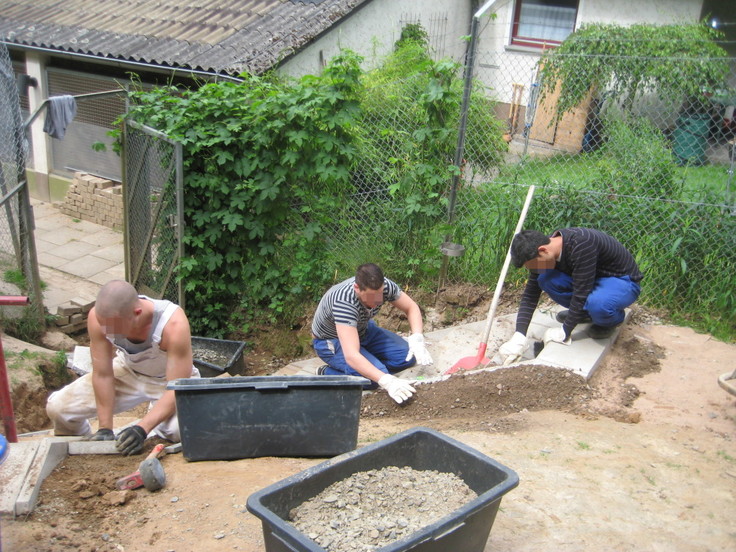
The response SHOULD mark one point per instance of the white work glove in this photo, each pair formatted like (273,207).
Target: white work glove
(557,335)
(514,348)
(418,349)
(398,389)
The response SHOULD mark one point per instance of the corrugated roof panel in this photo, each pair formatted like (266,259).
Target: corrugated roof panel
(229,35)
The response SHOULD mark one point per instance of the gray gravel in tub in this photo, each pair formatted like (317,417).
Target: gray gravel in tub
(375,508)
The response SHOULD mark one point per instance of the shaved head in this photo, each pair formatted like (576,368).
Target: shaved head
(116,299)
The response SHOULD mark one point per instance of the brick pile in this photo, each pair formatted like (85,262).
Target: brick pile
(95,199)
(71,317)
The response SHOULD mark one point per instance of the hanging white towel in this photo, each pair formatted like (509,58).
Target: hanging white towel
(59,113)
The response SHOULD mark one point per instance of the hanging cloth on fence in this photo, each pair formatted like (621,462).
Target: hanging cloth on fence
(59,113)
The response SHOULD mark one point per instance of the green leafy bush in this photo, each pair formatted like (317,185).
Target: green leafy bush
(677,61)
(283,177)
(253,151)
(636,160)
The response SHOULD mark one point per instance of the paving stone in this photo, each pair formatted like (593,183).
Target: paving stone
(74,250)
(13,473)
(61,235)
(50,260)
(51,452)
(87,265)
(92,447)
(68,309)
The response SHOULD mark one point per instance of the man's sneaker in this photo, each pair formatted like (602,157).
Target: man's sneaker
(320,371)
(601,332)
(562,315)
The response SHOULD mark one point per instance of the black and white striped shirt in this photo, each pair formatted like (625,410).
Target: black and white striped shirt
(587,254)
(340,305)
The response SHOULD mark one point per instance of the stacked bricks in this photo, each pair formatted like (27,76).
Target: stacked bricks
(95,199)
(71,317)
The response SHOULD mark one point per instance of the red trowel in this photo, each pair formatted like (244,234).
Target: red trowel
(471,362)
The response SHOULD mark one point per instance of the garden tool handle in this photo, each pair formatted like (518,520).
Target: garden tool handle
(505,268)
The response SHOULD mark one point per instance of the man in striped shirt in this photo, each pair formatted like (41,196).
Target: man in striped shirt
(585,270)
(350,342)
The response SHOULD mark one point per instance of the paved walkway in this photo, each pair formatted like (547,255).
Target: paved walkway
(75,257)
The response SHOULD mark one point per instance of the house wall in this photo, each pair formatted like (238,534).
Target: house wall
(502,67)
(517,64)
(373,30)
(628,12)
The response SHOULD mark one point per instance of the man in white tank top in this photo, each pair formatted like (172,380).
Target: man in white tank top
(138,344)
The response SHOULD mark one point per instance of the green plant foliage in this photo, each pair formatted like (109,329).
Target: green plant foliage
(413,32)
(678,61)
(283,178)
(636,160)
(411,108)
(254,151)
(16,278)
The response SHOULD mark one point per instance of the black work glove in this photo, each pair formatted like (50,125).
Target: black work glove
(130,440)
(103,434)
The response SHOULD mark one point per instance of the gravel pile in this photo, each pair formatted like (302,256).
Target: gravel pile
(375,508)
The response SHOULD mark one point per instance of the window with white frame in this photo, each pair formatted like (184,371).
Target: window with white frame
(543,23)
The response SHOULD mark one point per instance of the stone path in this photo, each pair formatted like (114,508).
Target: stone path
(75,257)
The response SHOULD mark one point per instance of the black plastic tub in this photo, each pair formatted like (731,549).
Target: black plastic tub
(228,353)
(465,530)
(247,417)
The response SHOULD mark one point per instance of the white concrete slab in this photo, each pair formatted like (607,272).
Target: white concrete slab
(583,355)
(50,453)
(92,447)
(13,473)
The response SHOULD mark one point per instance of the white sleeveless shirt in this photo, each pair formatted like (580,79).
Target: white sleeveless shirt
(147,358)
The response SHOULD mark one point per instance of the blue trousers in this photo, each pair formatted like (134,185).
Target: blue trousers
(606,302)
(384,349)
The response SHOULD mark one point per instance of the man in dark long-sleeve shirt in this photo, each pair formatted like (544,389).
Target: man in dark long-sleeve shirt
(583,269)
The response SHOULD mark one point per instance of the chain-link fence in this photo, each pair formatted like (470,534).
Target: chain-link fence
(654,170)
(18,265)
(153,210)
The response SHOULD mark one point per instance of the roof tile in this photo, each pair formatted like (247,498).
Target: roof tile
(221,36)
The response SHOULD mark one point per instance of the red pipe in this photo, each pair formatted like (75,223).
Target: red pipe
(6,404)
(14,300)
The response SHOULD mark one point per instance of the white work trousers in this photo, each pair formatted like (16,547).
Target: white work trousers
(70,407)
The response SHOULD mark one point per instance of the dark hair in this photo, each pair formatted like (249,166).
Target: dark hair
(525,246)
(369,276)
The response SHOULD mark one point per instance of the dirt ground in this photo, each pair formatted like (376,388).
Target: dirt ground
(641,457)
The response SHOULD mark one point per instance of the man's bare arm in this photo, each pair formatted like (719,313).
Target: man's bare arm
(103,379)
(350,343)
(177,342)
(413,313)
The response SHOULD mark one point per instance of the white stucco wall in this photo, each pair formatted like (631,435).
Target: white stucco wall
(373,30)
(500,64)
(628,12)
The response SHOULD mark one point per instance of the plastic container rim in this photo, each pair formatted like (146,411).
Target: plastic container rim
(435,530)
(264,382)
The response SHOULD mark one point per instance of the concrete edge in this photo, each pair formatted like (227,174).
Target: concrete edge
(50,453)
(14,471)
(92,447)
